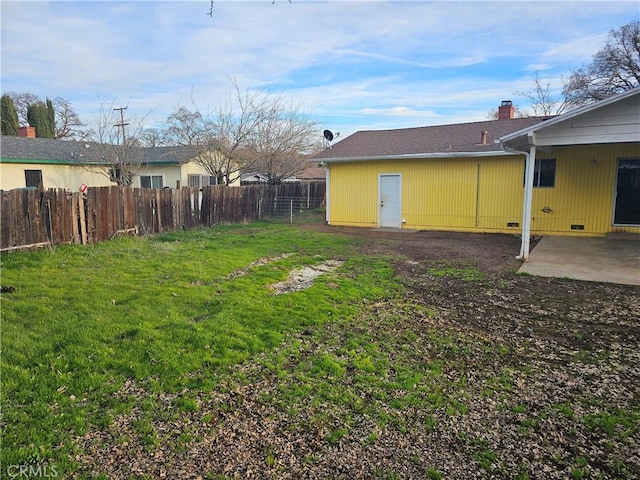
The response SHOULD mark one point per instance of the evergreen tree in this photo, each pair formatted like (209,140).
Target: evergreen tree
(34,117)
(38,116)
(9,116)
(51,118)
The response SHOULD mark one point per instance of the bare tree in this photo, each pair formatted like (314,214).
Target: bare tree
(542,100)
(152,137)
(68,124)
(121,153)
(614,69)
(261,131)
(21,101)
(187,128)
(250,130)
(236,125)
(196,132)
(283,140)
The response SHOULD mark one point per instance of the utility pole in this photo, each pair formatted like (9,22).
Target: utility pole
(119,170)
(122,123)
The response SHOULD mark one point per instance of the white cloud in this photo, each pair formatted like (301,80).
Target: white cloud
(399,111)
(355,63)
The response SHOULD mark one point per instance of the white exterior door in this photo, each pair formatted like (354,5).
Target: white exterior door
(389,201)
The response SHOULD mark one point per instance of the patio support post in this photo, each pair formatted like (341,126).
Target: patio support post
(327,196)
(528,195)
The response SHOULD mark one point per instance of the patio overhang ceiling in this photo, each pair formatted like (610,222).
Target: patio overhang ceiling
(612,120)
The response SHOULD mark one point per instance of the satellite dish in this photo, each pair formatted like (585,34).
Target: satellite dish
(328,135)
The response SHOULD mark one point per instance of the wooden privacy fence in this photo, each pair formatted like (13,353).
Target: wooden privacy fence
(32,218)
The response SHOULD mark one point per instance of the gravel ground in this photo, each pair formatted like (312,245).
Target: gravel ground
(541,379)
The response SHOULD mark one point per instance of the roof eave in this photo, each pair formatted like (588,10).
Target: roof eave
(163,163)
(50,161)
(414,156)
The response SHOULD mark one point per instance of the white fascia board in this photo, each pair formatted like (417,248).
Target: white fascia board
(418,156)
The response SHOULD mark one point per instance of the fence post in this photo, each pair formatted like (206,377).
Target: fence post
(291,212)
(83,221)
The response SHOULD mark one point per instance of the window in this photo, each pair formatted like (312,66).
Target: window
(33,178)
(544,173)
(115,174)
(151,181)
(199,181)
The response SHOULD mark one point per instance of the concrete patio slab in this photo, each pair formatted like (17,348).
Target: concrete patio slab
(593,259)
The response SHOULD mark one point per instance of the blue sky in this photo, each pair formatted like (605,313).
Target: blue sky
(355,65)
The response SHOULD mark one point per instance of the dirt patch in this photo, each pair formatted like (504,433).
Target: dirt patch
(304,277)
(257,263)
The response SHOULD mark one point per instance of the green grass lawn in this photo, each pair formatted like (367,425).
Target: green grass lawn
(172,354)
(164,310)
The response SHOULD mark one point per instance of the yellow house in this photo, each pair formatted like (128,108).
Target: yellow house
(585,179)
(27,162)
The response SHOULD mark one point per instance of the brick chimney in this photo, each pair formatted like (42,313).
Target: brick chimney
(28,132)
(506,110)
(483,137)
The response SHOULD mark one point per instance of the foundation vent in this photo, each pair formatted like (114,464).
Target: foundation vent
(513,224)
(577,227)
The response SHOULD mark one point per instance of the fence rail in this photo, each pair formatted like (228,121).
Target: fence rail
(31,218)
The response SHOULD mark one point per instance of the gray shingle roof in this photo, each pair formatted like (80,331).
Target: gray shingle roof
(66,151)
(47,149)
(459,137)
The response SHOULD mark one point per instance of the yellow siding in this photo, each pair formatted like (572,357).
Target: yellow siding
(485,194)
(584,191)
(501,193)
(354,190)
(465,194)
(428,199)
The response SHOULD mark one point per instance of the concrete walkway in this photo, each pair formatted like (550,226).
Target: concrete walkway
(593,259)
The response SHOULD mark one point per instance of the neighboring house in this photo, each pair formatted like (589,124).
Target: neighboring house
(461,178)
(171,167)
(31,162)
(253,178)
(312,173)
